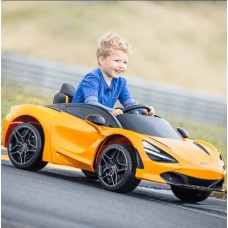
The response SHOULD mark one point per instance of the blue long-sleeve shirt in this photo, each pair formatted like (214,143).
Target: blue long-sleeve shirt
(93,89)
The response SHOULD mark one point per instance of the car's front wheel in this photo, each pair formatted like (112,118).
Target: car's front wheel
(25,147)
(190,195)
(117,167)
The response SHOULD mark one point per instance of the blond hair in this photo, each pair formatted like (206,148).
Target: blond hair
(110,41)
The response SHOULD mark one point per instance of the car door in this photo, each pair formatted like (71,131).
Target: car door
(74,141)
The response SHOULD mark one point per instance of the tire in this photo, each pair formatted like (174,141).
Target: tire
(25,147)
(90,175)
(116,169)
(190,195)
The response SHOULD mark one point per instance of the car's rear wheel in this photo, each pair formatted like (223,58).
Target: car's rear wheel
(190,195)
(90,175)
(25,147)
(117,167)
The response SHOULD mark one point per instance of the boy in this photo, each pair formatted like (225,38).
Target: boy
(103,86)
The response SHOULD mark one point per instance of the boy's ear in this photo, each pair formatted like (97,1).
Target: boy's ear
(101,59)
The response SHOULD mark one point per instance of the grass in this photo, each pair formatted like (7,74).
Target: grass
(16,94)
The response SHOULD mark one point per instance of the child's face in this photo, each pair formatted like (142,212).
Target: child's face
(115,64)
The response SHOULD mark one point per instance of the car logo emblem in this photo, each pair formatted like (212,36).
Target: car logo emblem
(203,163)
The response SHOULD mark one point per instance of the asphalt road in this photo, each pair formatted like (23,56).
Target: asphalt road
(56,198)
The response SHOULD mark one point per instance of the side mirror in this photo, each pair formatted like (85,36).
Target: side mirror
(183,132)
(96,119)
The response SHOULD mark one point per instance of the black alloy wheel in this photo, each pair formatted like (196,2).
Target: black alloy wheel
(117,167)
(25,147)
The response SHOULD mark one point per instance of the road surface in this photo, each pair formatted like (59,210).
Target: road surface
(56,197)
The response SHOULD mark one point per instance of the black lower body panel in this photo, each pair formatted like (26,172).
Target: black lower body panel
(185,181)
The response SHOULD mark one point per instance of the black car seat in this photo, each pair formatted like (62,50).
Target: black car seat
(65,94)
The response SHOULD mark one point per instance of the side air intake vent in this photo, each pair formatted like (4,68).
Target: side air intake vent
(201,147)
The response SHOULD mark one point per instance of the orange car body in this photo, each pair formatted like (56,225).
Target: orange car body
(77,142)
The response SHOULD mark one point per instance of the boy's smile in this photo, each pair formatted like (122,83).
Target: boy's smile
(114,64)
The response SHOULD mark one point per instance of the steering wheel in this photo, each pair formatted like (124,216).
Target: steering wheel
(137,107)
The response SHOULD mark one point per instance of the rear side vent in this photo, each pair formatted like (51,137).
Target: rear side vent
(201,147)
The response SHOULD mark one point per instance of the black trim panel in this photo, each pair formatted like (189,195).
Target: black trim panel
(185,181)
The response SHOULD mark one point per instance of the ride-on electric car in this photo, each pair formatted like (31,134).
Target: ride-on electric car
(119,151)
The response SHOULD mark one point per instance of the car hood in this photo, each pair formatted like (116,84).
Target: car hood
(188,151)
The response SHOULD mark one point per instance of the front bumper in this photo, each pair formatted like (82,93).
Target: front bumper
(185,181)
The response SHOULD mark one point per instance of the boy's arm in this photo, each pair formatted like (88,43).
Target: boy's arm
(94,101)
(90,88)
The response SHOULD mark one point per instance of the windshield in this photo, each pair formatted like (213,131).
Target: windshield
(148,125)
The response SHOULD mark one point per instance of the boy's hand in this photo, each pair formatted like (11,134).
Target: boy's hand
(151,113)
(117,112)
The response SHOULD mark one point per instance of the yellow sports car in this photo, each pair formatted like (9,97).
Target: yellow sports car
(119,151)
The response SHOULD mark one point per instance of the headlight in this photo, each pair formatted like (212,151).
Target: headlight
(156,154)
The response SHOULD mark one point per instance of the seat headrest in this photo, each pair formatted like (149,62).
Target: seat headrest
(67,89)
(65,94)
